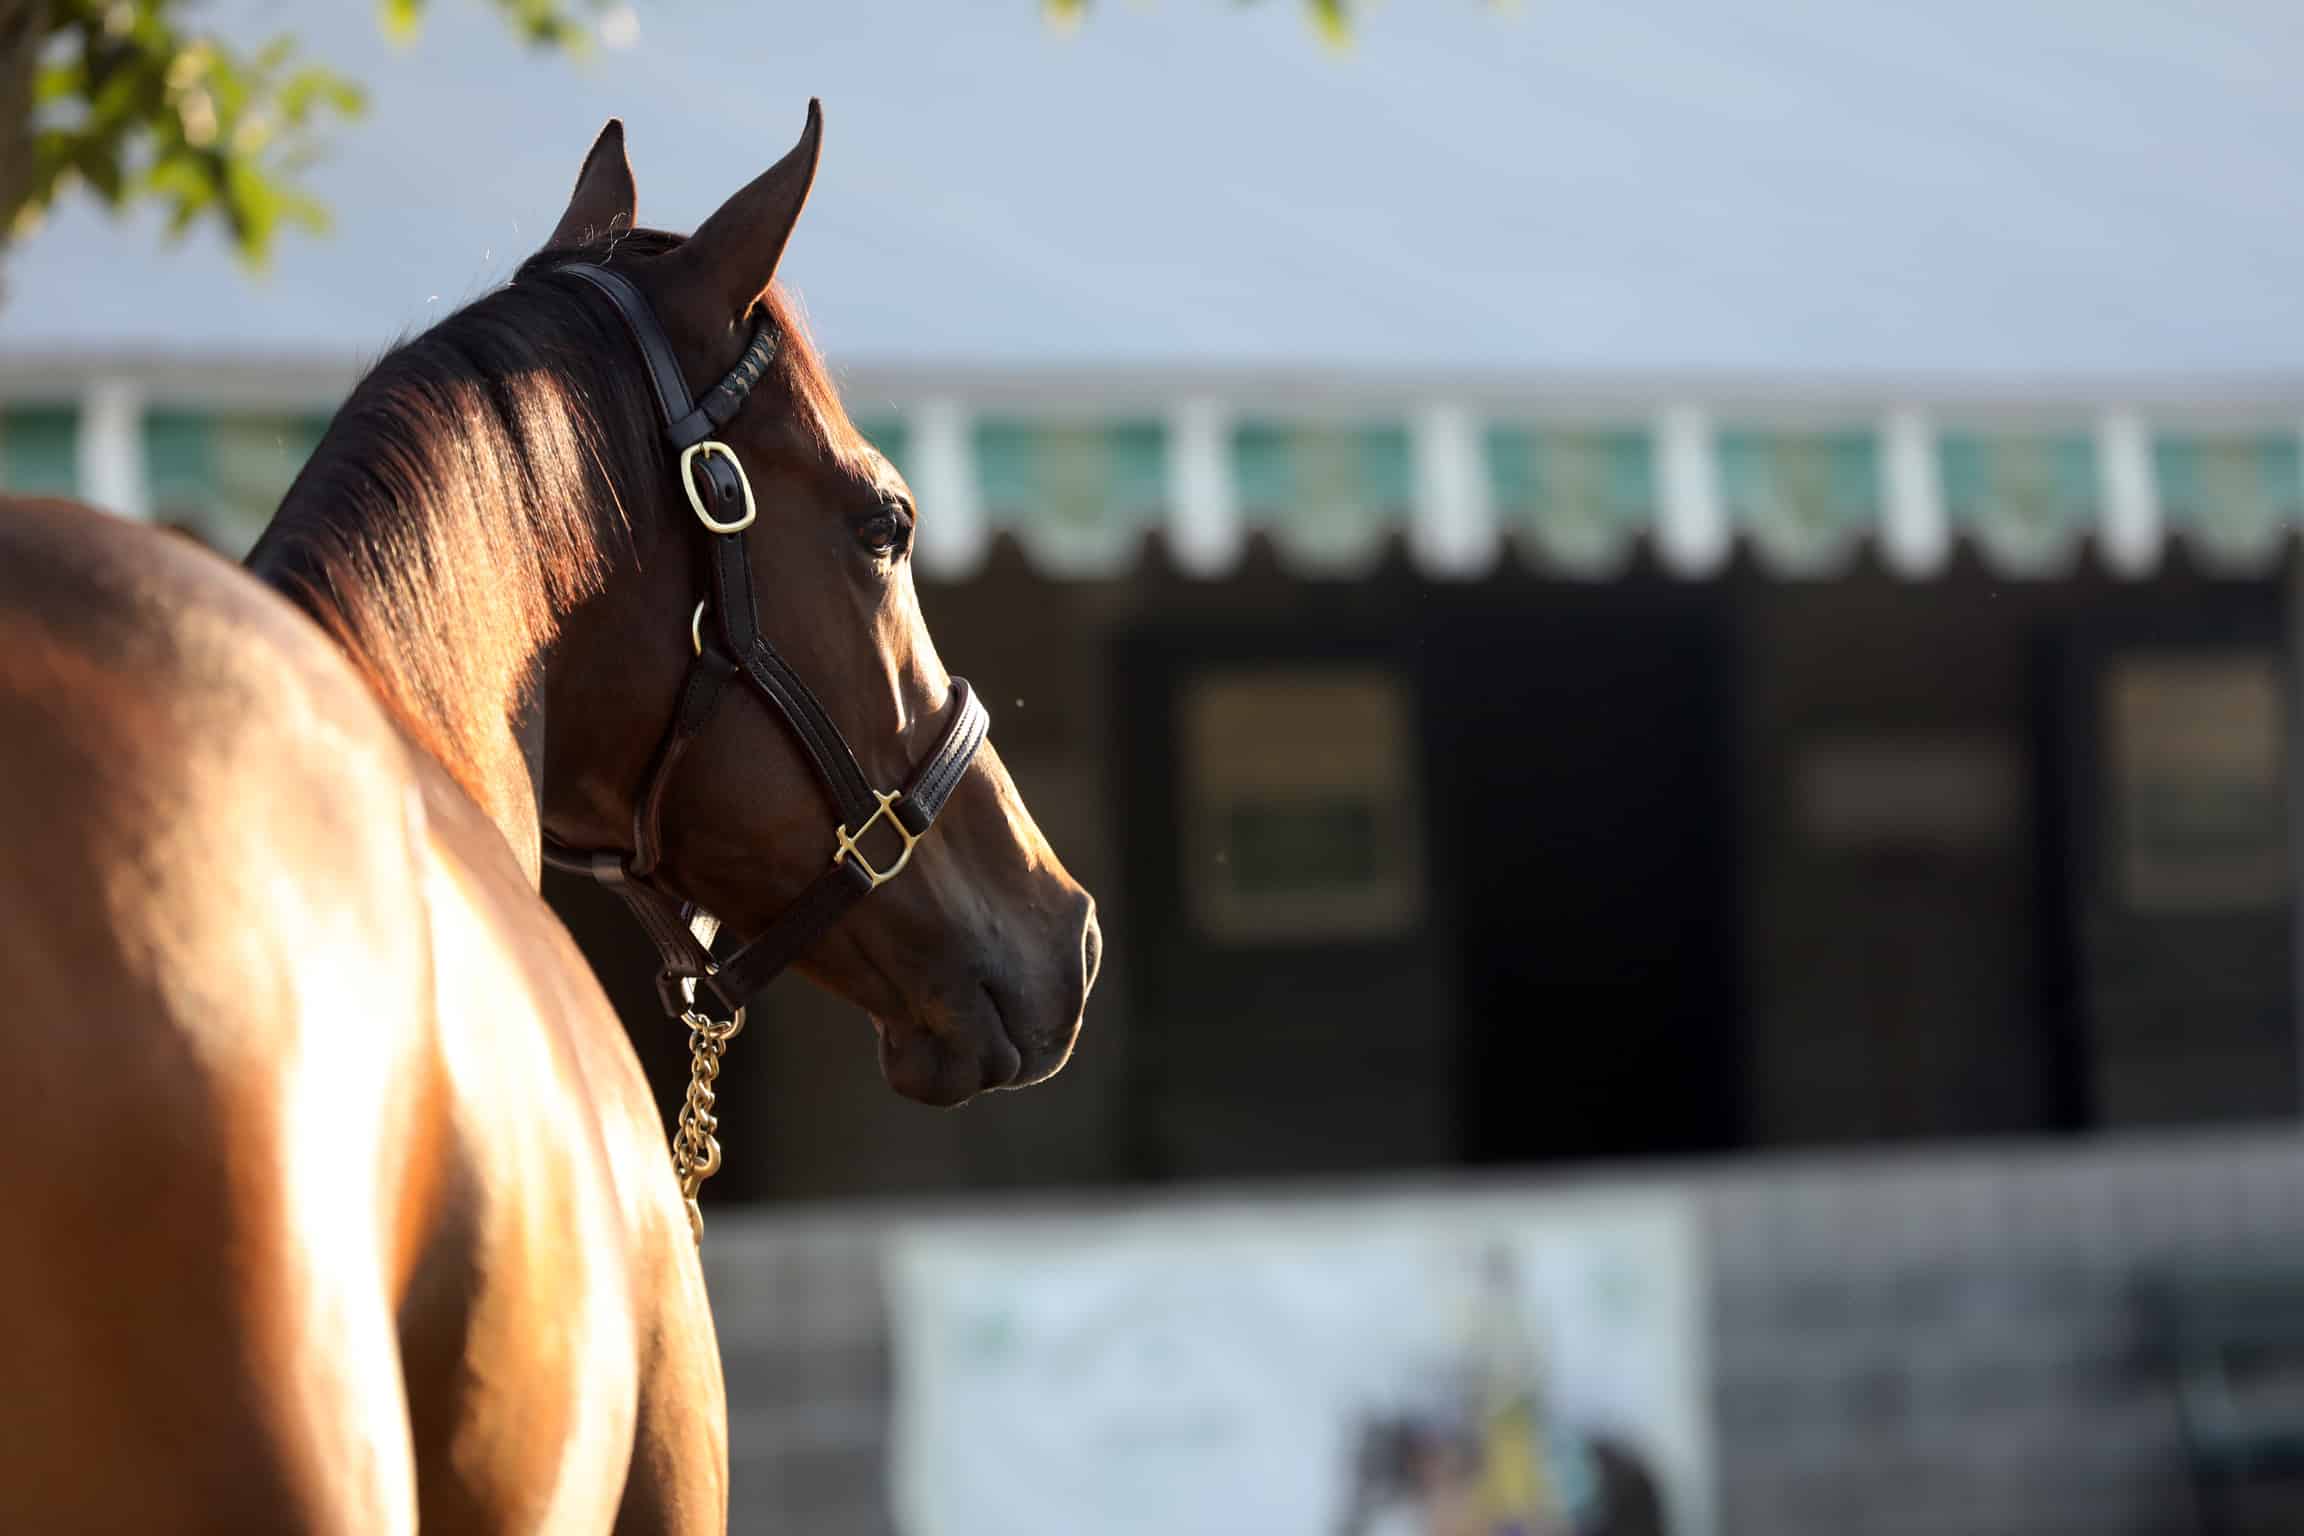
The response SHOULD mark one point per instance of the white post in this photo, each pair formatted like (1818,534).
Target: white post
(110,448)
(1454,531)
(952,531)
(1916,536)
(2132,530)
(1693,532)
(1204,508)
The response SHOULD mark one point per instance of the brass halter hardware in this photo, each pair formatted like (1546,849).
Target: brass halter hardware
(846,839)
(849,850)
(712,447)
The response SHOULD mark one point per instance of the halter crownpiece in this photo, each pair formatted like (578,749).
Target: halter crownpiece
(733,647)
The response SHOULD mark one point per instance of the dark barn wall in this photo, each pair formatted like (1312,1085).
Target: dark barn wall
(1877,988)
(1934,985)
(1892,982)
(1216,1058)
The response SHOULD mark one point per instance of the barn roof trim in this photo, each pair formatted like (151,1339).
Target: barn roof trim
(1085,469)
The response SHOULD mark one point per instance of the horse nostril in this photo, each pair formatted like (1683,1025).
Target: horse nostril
(1091,950)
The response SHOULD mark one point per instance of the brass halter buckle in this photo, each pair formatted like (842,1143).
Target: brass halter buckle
(849,850)
(714,448)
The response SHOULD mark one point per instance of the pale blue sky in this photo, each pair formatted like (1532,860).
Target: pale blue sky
(2062,186)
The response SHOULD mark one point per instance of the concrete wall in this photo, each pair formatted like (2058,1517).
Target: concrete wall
(1954,1345)
(1917,1346)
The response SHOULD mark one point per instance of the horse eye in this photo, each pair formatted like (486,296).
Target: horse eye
(884,532)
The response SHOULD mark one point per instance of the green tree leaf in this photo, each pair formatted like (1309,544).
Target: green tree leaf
(138,103)
(402,19)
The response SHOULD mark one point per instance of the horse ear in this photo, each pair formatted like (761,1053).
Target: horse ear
(733,255)
(605,200)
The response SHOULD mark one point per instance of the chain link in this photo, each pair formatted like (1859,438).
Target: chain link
(695,1143)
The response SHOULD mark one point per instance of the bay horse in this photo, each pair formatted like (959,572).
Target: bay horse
(334,1197)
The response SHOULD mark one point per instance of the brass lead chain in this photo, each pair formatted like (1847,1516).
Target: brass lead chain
(695,1143)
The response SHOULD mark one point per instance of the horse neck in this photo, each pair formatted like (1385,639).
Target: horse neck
(480,734)
(443,568)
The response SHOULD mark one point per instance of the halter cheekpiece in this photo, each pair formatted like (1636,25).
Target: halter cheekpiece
(727,648)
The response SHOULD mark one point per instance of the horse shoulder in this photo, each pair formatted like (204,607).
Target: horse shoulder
(577,1228)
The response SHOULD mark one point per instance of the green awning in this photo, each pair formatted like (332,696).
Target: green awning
(1085,493)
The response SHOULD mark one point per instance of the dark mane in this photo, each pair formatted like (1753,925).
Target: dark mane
(475,487)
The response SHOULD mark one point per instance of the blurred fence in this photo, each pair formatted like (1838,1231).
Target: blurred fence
(1956,1342)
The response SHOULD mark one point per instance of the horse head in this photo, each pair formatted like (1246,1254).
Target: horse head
(975,956)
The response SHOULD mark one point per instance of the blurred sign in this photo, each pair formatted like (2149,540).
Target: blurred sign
(1910,792)
(2200,808)
(1301,805)
(1442,1367)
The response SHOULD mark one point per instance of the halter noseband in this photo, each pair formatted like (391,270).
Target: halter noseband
(731,648)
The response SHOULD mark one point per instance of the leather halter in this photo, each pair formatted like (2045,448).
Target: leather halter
(733,648)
